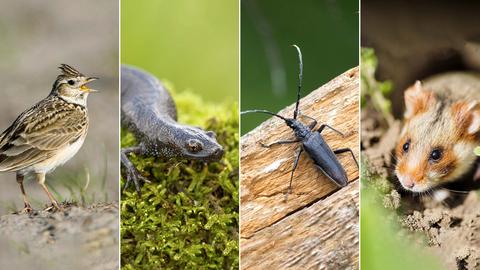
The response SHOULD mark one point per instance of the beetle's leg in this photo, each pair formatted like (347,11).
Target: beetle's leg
(279,142)
(322,127)
(343,150)
(295,163)
(132,174)
(311,125)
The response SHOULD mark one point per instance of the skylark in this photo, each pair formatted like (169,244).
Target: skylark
(49,133)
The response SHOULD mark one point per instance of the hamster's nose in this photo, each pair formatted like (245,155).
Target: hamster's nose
(408,183)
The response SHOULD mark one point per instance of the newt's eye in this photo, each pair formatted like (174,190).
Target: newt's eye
(211,134)
(194,146)
(436,154)
(406,146)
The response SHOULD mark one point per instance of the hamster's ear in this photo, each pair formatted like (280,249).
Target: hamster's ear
(417,100)
(467,116)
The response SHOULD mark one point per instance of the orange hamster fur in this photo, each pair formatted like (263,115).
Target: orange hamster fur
(440,130)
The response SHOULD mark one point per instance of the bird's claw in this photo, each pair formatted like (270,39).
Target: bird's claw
(53,207)
(27,209)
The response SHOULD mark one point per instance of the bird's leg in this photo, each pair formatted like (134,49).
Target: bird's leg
(27,207)
(132,174)
(41,181)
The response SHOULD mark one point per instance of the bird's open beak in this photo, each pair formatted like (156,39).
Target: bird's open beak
(87,89)
(91,79)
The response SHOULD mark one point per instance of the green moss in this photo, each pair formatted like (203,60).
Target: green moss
(380,183)
(375,92)
(187,218)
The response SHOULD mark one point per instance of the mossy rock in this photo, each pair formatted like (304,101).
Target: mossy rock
(187,218)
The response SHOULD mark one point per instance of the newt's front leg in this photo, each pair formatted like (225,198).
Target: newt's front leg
(132,174)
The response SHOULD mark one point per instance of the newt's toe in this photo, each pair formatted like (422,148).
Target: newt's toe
(133,175)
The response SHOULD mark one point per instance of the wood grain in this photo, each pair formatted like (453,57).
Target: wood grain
(284,229)
(321,236)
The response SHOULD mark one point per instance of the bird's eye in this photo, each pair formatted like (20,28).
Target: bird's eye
(71,82)
(436,154)
(406,146)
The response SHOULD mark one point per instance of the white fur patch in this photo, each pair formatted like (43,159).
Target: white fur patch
(413,160)
(433,175)
(440,195)
(418,85)
(464,153)
(411,96)
(475,125)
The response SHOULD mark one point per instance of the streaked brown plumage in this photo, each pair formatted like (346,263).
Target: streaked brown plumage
(48,134)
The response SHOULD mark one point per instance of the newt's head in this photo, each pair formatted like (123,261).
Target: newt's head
(199,144)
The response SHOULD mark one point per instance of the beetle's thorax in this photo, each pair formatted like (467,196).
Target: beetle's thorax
(301,131)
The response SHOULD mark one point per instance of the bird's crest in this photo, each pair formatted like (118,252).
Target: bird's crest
(69,71)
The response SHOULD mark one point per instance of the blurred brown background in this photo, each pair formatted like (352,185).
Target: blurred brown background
(37,36)
(416,39)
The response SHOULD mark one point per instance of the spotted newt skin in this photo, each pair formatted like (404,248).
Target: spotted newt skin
(149,112)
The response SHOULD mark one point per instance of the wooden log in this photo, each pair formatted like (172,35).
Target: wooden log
(321,236)
(279,232)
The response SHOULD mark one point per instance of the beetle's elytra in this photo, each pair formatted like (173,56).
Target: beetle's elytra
(311,140)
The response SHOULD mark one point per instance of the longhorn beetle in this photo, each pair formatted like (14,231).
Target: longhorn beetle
(312,141)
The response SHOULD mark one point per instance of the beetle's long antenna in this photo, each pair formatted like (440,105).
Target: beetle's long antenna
(300,77)
(264,111)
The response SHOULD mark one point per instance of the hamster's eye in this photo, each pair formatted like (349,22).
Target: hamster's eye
(71,82)
(436,155)
(194,146)
(406,146)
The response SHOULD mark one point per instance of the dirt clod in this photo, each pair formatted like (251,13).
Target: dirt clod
(392,200)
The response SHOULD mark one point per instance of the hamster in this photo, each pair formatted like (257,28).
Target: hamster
(440,130)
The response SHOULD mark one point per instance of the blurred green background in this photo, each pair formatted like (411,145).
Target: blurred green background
(327,33)
(184,43)
(386,245)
